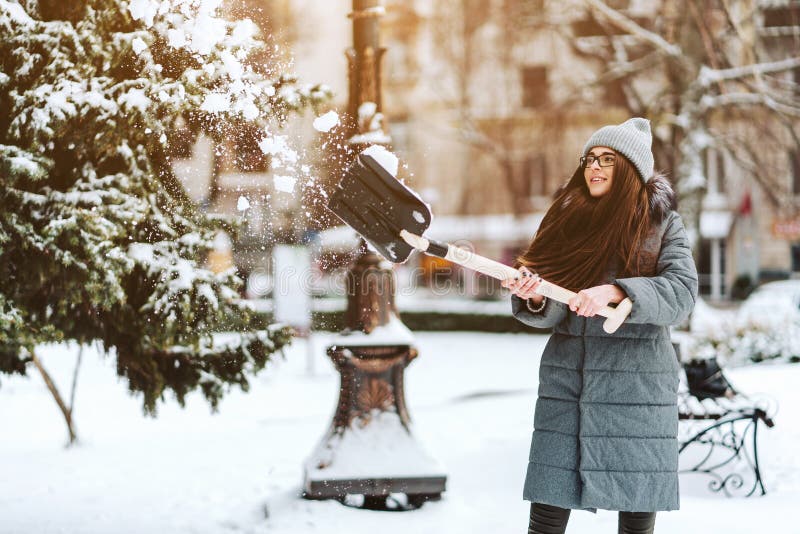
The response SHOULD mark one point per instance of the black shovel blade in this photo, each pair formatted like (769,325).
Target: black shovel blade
(377,205)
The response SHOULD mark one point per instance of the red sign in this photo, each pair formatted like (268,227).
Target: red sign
(787,228)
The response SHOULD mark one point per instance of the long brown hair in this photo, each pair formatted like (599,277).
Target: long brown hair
(581,236)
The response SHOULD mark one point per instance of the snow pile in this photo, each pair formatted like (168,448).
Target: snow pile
(392,333)
(370,126)
(706,318)
(385,159)
(376,446)
(765,328)
(754,341)
(471,397)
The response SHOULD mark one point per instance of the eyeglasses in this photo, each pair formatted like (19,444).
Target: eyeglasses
(604,160)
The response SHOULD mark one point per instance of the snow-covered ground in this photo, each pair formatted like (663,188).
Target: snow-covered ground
(471,398)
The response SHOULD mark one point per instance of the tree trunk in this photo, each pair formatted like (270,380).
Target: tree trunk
(57,396)
(519,200)
(75,381)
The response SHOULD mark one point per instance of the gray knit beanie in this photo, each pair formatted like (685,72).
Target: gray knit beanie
(632,139)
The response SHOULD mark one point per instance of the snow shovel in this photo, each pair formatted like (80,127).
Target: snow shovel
(393,219)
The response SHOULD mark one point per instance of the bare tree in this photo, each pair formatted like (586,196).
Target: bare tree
(468,35)
(717,85)
(702,71)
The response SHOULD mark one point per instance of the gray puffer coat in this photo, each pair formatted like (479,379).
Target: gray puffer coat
(606,420)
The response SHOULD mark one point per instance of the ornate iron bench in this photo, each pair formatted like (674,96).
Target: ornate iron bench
(718,430)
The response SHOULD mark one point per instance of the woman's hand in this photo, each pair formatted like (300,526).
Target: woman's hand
(525,286)
(588,302)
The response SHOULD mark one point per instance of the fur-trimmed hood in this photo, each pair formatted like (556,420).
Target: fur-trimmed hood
(660,196)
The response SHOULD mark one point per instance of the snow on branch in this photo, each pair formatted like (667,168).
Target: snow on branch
(709,76)
(623,22)
(752,99)
(617,70)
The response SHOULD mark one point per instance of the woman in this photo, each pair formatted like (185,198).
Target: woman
(606,420)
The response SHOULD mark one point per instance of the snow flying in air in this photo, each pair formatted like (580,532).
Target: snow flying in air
(326,122)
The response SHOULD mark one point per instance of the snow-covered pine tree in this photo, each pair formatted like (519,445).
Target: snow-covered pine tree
(98,239)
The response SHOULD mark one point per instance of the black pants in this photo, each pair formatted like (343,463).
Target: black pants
(546,519)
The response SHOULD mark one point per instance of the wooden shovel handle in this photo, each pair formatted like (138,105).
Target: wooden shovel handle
(614,316)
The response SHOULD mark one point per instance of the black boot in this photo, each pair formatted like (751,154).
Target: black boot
(547,519)
(637,522)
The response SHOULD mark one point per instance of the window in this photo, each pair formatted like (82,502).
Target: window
(527,13)
(534,170)
(704,261)
(529,7)
(796,80)
(714,169)
(795,252)
(475,13)
(776,17)
(794,169)
(535,88)
(589,26)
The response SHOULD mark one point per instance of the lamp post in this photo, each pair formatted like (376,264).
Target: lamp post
(369,449)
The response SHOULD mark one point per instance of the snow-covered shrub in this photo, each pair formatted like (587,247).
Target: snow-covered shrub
(741,342)
(98,239)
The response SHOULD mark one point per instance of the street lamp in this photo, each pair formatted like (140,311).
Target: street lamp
(369,449)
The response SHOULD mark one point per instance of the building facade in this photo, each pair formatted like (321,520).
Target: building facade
(489,102)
